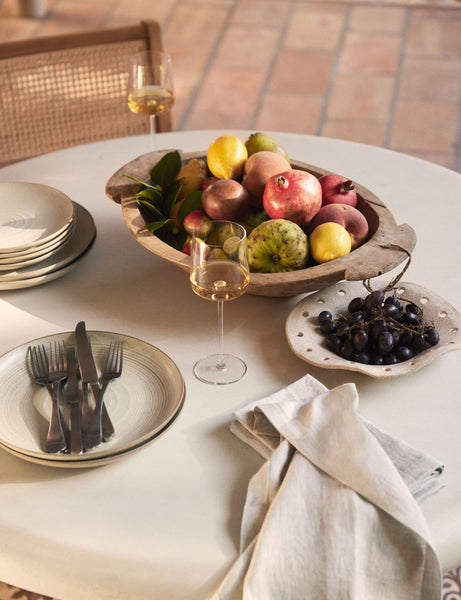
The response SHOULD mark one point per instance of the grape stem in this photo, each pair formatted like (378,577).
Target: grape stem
(393,283)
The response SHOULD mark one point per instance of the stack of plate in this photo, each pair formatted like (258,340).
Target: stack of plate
(143,403)
(43,234)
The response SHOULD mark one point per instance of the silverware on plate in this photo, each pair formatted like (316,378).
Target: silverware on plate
(113,369)
(89,375)
(71,396)
(50,371)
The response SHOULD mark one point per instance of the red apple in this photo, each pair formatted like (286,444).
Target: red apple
(337,190)
(294,195)
(187,248)
(225,199)
(257,171)
(347,216)
(197,222)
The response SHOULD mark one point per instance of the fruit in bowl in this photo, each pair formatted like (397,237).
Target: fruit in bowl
(157,215)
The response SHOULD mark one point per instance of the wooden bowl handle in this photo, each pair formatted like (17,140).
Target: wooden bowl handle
(383,252)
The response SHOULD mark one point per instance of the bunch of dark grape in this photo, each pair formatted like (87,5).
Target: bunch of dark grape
(377,330)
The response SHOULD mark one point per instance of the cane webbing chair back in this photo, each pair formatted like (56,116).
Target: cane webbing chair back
(66,90)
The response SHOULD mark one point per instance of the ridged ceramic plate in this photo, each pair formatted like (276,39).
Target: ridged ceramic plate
(31,214)
(81,238)
(142,403)
(307,342)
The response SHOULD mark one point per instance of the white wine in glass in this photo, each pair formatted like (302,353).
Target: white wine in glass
(220,272)
(150,85)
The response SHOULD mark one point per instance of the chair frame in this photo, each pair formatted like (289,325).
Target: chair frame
(147,31)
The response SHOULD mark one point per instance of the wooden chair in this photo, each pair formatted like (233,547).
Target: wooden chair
(71,89)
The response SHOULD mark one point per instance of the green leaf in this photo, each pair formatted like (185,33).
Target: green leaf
(152,194)
(170,196)
(176,241)
(156,225)
(192,202)
(151,210)
(166,170)
(148,185)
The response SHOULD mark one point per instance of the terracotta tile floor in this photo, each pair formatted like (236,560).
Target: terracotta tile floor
(386,74)
(381,73)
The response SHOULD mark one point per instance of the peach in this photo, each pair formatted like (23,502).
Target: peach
(347,216)
(258,169)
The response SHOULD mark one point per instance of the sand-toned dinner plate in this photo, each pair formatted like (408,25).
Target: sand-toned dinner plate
(31,214)
(142,403)
(81,237)
(39,254)
(307,342)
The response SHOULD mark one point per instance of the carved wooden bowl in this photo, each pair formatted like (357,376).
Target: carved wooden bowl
(387,247)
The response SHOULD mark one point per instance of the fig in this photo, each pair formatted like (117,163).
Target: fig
(276,246)
(257,142)
(226,200)
(337,190)
(258,169)
(294,195)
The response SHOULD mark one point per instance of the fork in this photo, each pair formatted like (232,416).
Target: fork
(97,429)
(50,372)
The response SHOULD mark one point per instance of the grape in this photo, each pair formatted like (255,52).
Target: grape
(343,329)
(328,327)
(394,301)
(413,309)
(374,299)
(364,358)
(334,343)
(390,359)
(409,318)
(325,315)
(378,330)
(356,305)
(403,353)
(385,343)
(360,340)
(357,317)
(390,310)
(418,342)
(406,338)
(347,350)
(432,336)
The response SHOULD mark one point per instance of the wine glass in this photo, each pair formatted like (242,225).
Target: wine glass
(150,85)
(220,272)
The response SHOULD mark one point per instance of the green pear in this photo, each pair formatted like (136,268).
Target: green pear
(260,141)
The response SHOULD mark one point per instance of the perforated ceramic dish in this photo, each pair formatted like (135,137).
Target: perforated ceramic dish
(307,342)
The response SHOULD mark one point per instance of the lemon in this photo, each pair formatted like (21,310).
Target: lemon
(226,156)
(329,241)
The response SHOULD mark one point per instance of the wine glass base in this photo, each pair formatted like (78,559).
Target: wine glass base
(208,371)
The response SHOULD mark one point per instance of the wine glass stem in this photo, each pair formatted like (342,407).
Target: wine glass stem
(152,131)
(220,364)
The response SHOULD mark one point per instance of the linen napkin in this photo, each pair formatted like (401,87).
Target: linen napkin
(331,513)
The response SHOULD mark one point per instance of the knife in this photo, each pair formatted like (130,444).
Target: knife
(71,397)
(90,378)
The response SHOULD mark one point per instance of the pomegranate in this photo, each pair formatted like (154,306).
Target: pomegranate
(294,195)
(338,190)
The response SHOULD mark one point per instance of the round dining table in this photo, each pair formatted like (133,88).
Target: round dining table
(163,522)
